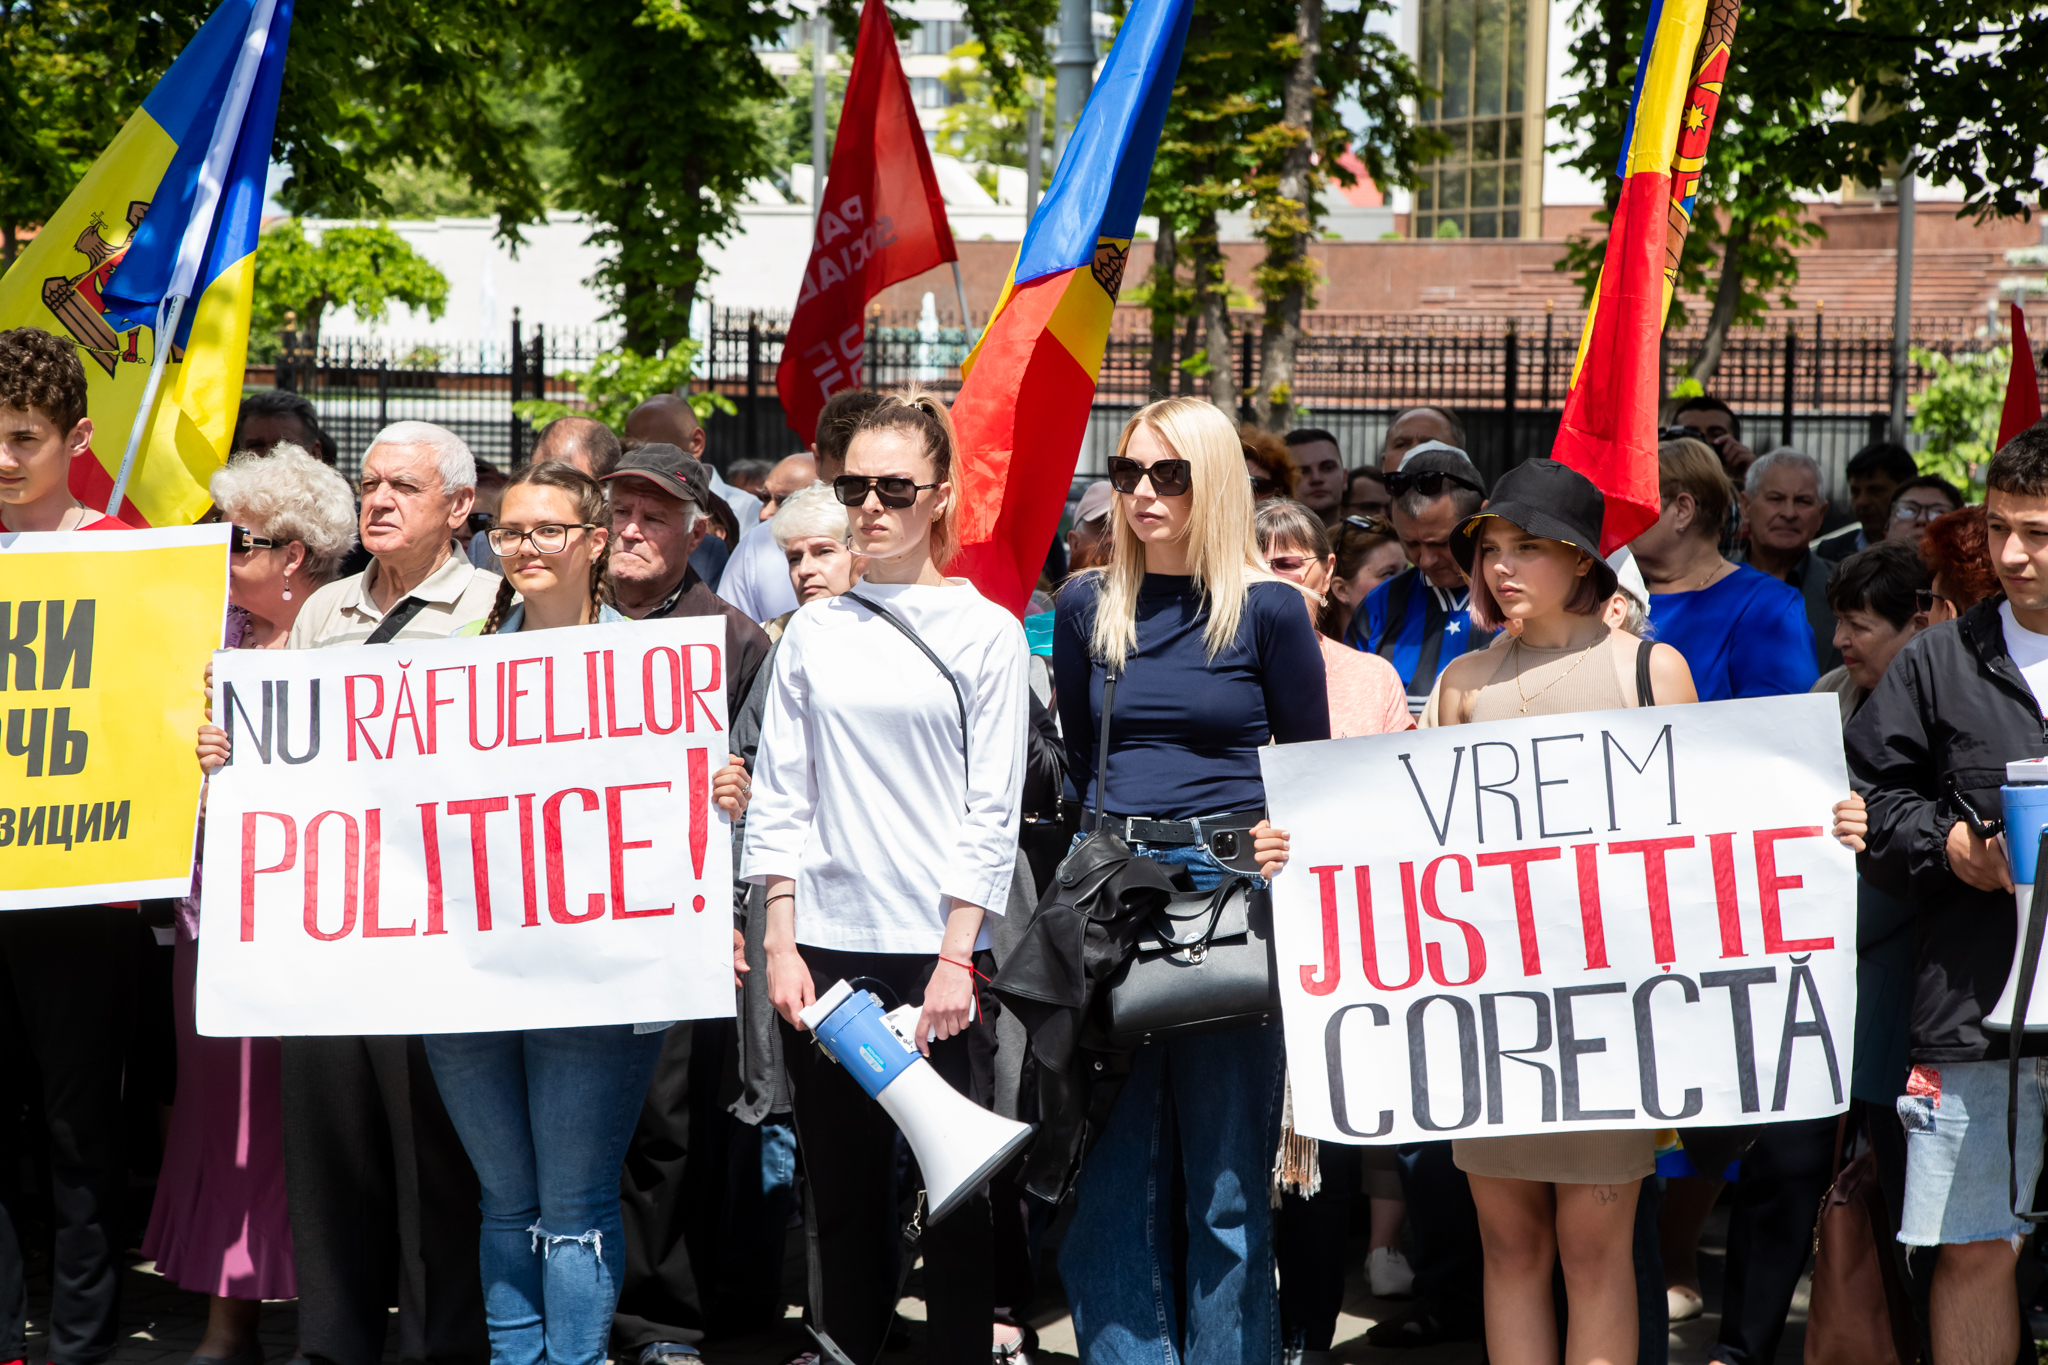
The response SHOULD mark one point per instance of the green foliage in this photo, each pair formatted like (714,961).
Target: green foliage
(620,380)
(1958,412)
(364,268)
(986,128)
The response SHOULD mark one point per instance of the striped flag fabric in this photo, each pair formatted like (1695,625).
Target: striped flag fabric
(1022,410)
(1609,428)
(170,210)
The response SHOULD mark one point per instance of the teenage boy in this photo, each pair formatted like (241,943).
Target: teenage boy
(67,975)
(1927,753)
(43,427)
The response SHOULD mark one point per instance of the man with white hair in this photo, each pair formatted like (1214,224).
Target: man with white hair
(418,484)
(1782,509)
(381,1194)
(756,578)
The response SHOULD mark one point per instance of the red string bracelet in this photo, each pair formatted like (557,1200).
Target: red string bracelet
(972,971)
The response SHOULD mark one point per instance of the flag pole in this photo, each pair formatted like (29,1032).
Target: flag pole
(966,322)
(198,232)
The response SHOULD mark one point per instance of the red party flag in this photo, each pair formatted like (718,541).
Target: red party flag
(883,221)
(2022,387)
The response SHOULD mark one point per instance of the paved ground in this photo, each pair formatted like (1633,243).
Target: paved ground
(163,1324)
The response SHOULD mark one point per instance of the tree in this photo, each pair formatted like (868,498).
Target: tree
(619,381)
(984,128)
(363,268)
(1958,413)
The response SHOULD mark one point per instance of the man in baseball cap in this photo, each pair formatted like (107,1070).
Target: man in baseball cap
(1088,542)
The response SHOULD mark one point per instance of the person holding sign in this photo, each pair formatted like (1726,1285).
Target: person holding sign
(1216,658)
(884,827)
(1532,557)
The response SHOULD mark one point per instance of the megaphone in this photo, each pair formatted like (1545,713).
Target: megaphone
(2025,800)
(958,1143)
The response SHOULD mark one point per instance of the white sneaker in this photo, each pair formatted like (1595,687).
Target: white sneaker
(1390,1274)
(1683,1304)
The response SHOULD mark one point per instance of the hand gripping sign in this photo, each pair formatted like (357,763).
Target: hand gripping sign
(499,832)
(1619,919)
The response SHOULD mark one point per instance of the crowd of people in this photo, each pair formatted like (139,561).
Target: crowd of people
(909,764)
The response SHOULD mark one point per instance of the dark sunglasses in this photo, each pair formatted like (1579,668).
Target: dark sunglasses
(1925,598)
(893,490)
(1170,478)
(1429,482)
(241,540)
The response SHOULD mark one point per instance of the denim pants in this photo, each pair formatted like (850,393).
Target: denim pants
(545,1115)
(1216,1098)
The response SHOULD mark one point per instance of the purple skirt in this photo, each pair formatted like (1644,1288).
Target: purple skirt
(219,1225)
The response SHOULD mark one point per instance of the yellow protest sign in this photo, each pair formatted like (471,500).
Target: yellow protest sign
(104,642)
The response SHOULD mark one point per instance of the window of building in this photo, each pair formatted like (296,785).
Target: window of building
(1477,53)
(935,38)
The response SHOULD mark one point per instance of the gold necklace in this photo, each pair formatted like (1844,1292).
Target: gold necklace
(1526,698)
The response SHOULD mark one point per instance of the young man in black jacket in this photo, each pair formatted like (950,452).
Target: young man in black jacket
(1927,753)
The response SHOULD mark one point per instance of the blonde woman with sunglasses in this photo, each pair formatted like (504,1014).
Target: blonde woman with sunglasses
(1216,658)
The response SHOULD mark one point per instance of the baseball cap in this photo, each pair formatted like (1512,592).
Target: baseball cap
(1094,503)
(1546,499)
(667,468)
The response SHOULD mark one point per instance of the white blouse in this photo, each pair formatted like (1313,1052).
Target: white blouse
(860,792)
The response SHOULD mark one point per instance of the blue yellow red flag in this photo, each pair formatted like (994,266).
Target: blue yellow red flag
(175,201)
(1029,383)
(1609,428)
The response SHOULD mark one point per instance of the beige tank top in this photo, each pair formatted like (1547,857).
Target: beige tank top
(1549,682)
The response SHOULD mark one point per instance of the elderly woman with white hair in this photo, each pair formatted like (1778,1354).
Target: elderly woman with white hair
(811,531)
(219,1225)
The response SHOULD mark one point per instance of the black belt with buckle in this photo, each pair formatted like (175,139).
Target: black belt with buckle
(1227,836)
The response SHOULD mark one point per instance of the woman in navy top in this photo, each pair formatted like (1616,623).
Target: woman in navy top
(1218,660)
(1742,632)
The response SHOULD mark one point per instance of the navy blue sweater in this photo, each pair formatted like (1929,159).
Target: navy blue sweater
(1187,729)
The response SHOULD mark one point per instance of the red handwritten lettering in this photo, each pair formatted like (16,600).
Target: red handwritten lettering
(1475,946)
(512,706)
(548,709)
(1517,864)
(1657,883)
(1591,925)
(355,720)
(551,836)
(615,830)
(675,689)
(611,705)
(249,869)
(478,812)
(1769,884)
(351,858)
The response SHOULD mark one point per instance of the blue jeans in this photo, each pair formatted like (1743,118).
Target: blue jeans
(1217,1096)
(545,1115)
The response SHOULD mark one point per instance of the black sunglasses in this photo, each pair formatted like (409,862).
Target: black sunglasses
(893,490)
(1170,478)
(1925,598)
(241,540)
(1429,482)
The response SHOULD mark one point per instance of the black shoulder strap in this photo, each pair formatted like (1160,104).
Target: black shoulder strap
(395,620)
(1102,744)
(1645,695)
(958,696)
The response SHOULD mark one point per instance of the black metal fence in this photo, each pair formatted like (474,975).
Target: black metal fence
(1818,383)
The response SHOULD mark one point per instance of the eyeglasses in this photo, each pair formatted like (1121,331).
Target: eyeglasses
(241,540)
(551,539)
(1925,598)
(1920,511)
(1428,482)
(893,490)
(1169,478)
(1288,563)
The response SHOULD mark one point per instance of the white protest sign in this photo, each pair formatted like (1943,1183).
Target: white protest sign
(499,832)
(1617,919)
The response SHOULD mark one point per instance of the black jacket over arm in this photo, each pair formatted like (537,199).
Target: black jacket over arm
(1952,705)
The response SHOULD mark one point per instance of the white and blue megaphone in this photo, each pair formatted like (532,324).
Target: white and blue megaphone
(958,1143)
(2025,800)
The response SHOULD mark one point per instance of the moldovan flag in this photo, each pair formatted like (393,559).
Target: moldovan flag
(1609,428)
(174,200)
(1022,411)
(2022,386)
(883,220)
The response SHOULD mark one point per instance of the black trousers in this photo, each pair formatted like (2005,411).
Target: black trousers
(1310,1242)
(847,1143)
(1770,1235)
(68,976)
(1444,1244)
(384,1205)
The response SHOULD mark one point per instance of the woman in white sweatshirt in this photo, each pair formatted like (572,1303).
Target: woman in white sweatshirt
(884,826)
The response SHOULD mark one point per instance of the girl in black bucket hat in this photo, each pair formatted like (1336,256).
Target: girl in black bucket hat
(1533,558)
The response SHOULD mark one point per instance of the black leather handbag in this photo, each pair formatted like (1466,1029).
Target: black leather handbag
(1202,962)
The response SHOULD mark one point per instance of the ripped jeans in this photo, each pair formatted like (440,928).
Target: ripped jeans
(545,1115)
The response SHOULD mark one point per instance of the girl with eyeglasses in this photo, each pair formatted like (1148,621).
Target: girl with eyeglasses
(1217,658)
(884,828)
(545,1114)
